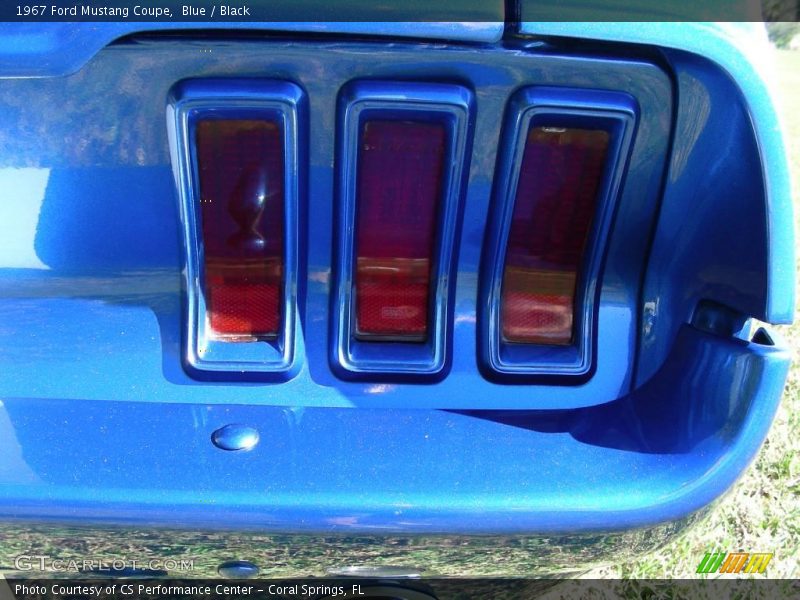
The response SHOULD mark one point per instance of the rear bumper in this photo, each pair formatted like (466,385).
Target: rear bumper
(558,489)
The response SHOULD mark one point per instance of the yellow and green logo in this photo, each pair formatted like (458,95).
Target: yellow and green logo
(734,562)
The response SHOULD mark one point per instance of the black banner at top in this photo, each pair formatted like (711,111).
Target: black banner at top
(260,11)
(215,11)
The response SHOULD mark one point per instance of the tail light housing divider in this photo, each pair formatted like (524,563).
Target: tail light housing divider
(560,169)
(237,151)
(402,153)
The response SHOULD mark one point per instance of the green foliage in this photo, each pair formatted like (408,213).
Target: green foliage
(780,10)
(781,34)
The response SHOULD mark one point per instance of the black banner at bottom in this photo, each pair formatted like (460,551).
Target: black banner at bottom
(391,589)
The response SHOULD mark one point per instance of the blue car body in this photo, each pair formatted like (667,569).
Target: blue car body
(105,427)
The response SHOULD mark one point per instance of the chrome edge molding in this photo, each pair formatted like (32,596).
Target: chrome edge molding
(533,555)
(189,101)
(612,111)
(451,105)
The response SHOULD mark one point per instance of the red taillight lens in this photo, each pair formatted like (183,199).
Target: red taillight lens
(399,190)
(555,203)
(241,170)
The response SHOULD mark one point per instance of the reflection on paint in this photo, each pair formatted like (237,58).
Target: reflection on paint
(13,468)
(20,205)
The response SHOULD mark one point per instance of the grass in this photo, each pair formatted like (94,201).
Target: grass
(762,512)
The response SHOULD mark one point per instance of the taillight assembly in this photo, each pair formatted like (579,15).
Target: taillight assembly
(237,145)
(401,162)
(557,180)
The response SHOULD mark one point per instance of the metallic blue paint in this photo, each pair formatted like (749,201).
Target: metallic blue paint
(453,107)
(614,112)
(734,261)
(57,49)
(97,213)
(99,422)
(191,101)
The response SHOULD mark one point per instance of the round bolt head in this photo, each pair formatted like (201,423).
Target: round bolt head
(235,437)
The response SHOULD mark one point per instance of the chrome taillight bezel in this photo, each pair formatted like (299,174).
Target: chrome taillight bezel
(280,101)
(453,106)
(614,112)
